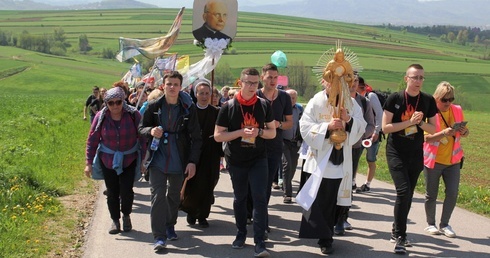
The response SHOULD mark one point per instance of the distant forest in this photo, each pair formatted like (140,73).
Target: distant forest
(453,34)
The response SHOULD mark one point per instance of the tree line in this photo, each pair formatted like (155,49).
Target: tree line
(447,33)
(55,43)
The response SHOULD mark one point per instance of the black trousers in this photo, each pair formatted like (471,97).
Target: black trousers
(405,168)
(120,195)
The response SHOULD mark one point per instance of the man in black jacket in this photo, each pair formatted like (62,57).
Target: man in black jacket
(172,119)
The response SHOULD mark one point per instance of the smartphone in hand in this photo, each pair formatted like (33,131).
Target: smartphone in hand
(458,125)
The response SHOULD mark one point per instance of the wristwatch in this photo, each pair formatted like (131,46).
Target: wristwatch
(261,132)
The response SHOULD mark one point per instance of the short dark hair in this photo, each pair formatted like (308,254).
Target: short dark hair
(95,88)
(416,66)
(361,81)
(269,67)
(249,71)
(174,74)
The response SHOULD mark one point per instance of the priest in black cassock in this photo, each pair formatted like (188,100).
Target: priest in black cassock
(199,191)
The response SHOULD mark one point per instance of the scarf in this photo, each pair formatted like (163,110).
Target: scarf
(244,102)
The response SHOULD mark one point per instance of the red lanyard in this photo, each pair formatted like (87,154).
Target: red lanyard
(416,105)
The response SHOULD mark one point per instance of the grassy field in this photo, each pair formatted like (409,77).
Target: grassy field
(42,134)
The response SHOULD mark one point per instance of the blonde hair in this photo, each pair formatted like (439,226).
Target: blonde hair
(443,89)
(231,93)
(155,94)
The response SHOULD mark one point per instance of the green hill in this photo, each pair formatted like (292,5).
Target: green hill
(42,137)
(383,53)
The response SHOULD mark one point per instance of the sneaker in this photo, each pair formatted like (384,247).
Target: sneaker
(339,229)
(326,249)
(171,233)
(115,227)
(266,235)
(191,220)
(431,229)
(260,250)
(159,244)
(354,187)
(238,243)
(275,185)
(407,243)
(287,199)
(448,231)
(347,225)
(127,226)
(249,221)
(203,223)
(400,245)
(364,188)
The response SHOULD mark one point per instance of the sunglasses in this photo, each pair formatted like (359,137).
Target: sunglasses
(117,102)
(444,100)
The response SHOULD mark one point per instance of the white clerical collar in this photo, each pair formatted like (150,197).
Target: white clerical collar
(197,104)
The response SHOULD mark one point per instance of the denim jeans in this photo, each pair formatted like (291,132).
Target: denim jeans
(256,177)
(405,168)
(450,175)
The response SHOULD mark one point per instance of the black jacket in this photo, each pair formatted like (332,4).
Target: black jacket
(189,139)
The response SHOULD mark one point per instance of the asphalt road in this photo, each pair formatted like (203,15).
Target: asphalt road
(371,217)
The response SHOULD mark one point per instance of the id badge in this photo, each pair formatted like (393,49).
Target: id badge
(444,140)
(410,130)
(248,140)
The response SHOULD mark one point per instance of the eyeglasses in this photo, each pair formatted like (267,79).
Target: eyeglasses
(218,15)
(250,84)
(117,102)
(444,100)
(417,78)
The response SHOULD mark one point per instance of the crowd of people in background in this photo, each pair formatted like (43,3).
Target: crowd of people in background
(257,132)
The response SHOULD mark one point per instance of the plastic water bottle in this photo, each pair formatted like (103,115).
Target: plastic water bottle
(155,142)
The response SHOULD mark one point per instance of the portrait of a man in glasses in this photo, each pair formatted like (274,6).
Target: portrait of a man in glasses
(215,17)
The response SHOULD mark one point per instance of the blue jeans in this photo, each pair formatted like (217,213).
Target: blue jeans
(255,177)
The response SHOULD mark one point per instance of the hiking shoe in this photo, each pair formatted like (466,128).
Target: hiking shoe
(432,230)
(191,220)
(159,244)
(260,250)
(287,199)
(203,223)
(238,243)
(115,227)
(364,188)
(127,226)
(171,233)
(347,225)
(400,245)
(448,231)
(406,243)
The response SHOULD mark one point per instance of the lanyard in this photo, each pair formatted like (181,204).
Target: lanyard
(406,103)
